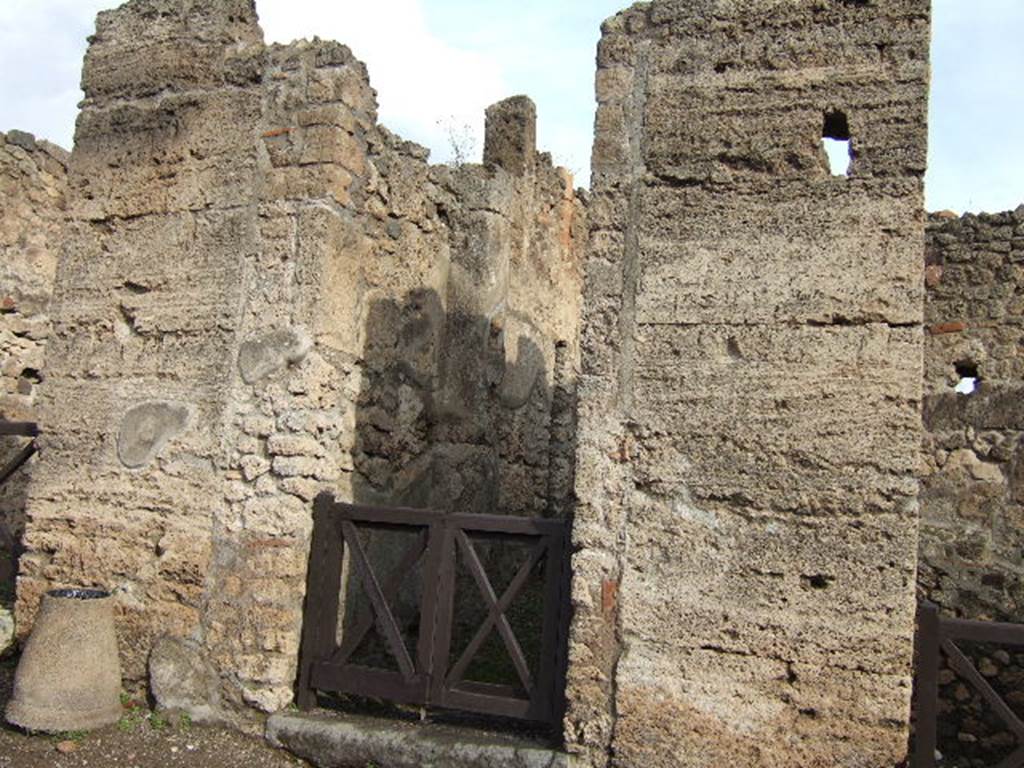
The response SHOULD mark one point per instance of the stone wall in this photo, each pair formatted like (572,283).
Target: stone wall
(263,294)
(972,486)
(266,294)
(972,491)
(749,425)
(32,203)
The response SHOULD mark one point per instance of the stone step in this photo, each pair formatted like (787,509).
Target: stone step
(332,740)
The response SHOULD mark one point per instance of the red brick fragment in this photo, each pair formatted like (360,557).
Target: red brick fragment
(277,132)
(609,596)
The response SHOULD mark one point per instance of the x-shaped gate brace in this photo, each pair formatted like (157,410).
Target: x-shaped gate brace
(938,636)
(425,677)
(496,612)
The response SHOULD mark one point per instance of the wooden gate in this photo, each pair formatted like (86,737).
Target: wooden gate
(421,667)
(938,636)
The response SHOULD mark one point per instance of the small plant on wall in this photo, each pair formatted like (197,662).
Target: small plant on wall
(461,140)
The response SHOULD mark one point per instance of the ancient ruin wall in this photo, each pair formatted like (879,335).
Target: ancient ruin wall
(972,489)
(147,301)
(749,400)
(972,486)
(32,201)
(266,295)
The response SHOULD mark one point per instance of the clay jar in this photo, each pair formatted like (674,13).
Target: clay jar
(69,676)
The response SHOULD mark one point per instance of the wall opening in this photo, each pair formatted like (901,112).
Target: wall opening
(968,378)
(835,136)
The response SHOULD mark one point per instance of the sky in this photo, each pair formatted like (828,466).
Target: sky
(437,64)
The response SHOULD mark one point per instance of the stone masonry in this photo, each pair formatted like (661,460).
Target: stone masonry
(749,423)
(250,291)
(972,489)
(33,190)
(972,484)
(265,294)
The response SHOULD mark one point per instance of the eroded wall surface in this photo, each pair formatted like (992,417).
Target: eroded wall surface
(972,486)
(32,201)
(751,381)
(266,294)
(973,490)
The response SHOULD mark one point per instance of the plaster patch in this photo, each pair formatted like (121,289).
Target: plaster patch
(259,358)
(147,428)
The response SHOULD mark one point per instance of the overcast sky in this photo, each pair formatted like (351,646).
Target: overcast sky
(436,65)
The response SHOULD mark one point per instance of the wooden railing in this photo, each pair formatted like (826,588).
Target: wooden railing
(938,637)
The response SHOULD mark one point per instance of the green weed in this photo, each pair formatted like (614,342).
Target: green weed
(133,715)
(157,721)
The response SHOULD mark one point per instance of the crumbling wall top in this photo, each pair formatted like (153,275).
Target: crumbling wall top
(511,135)
(146,47)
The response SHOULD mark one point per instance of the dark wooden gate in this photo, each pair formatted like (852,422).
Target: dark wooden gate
(422,669)
(938,636)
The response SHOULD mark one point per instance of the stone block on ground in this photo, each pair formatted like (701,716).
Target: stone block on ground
(329,740)
(180,679)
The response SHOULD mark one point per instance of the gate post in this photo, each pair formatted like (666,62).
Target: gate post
(926,685)
(320,612)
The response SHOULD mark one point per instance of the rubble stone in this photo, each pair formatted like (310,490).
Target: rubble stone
(7,636)
(972,487)
(180,679)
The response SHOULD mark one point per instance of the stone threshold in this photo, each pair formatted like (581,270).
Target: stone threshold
(336,740)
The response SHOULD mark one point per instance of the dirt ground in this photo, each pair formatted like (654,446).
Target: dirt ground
(139,740)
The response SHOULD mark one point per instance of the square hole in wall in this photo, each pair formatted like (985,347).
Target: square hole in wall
(968,378)
(835,136)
